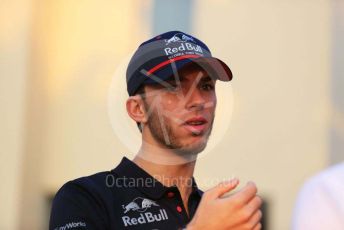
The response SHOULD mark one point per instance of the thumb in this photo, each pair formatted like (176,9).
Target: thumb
(224,187)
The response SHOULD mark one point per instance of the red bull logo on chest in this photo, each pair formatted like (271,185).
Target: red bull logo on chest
(141,205)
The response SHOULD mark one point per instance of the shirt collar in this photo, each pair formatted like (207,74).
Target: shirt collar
(144,181)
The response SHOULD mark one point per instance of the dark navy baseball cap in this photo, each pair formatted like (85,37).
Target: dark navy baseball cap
(159,58)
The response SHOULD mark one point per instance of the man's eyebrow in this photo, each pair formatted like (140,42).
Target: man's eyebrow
(206,79)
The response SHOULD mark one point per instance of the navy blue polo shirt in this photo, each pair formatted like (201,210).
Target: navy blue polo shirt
(126,197)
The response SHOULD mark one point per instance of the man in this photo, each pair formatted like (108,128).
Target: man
(171,85)
(320,204)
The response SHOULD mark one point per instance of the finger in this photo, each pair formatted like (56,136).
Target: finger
(223,188)
(255,218)
(244,195)
(254,204)
(257,227)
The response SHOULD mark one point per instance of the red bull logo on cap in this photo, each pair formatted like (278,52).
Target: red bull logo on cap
(184,46)
(179,37)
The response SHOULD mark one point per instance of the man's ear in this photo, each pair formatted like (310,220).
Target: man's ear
(136,109)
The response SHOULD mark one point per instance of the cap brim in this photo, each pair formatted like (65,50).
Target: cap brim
(215,68)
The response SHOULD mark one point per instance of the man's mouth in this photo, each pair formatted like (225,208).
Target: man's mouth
(196,124)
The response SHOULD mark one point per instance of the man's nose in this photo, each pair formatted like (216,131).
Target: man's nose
(195,100)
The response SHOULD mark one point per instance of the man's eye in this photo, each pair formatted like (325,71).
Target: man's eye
(207,87)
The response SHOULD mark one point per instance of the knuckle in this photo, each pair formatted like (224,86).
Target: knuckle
(258,227)
(253,187)
(259,200)
(235,203)
(253,219)
(248,226)
(260,214)
(245,215)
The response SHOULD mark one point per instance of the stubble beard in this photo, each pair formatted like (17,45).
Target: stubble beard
(170,140)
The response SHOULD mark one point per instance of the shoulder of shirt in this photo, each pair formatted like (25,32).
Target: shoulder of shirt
(326,178)
(96,185)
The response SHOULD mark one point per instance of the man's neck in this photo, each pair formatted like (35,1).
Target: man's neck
(168,175)
(179,170)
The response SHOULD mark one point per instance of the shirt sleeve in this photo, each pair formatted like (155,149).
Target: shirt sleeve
(315,209)
(75,207)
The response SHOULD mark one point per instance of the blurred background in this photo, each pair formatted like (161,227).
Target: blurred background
(58,58)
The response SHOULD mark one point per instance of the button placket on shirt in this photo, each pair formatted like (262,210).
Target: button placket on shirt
(170,194)
(178,203)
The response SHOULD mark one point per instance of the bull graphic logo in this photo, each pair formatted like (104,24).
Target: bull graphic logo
(139,204)
(179,37)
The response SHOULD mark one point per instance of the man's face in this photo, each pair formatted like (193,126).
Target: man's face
(181,117)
